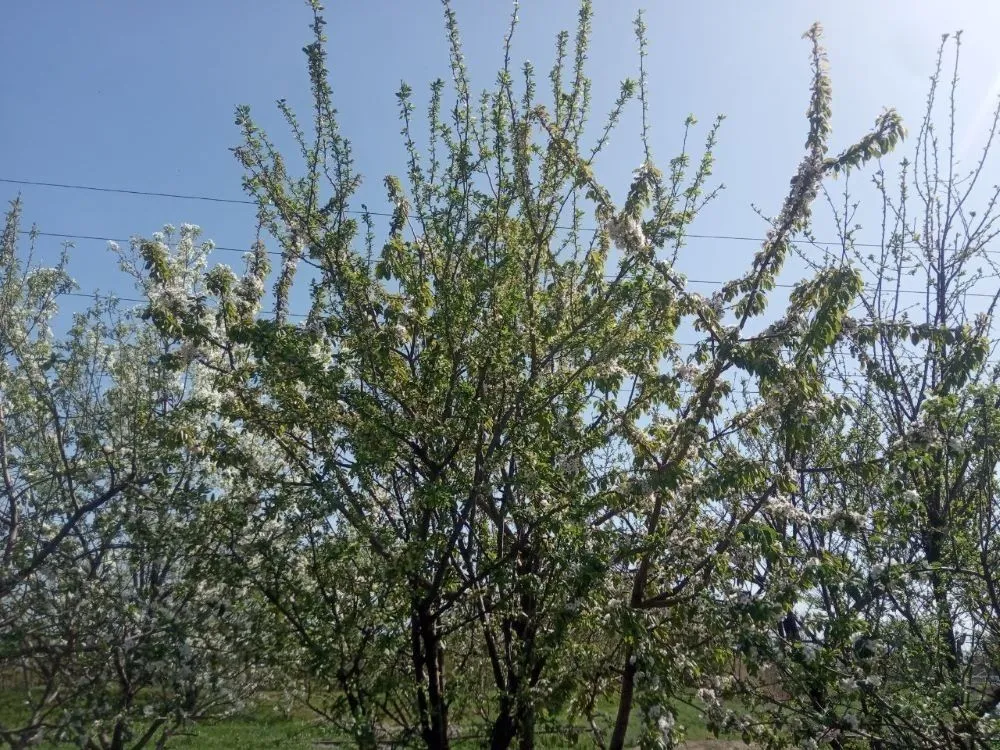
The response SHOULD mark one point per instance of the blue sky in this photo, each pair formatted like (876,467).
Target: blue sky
(140,95)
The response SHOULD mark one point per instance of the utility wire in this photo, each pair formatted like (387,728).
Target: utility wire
(66,236)
(707,282)
(124,191)
(244,201)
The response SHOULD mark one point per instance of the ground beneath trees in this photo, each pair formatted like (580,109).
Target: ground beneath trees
(690,745)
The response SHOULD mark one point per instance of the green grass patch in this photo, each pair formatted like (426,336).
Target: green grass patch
(260,729)
(265,727)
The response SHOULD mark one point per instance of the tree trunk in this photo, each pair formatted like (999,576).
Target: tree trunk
(526,726)
(624,702)
(504,728)
(515,720)
(934,554)
(428,672)
(118,736)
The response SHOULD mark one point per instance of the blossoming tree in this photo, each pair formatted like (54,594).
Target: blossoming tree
(888,541)
(114,637)
(479,477)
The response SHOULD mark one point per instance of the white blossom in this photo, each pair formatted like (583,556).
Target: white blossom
(810,651)
(665,723)
(617,369)
(708,696)
(627,234)
(688,372)
(784,508)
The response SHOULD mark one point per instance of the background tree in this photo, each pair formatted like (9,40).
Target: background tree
(109,624)
(895,643)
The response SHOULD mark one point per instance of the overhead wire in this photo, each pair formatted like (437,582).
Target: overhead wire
(245,201)
(353,212)
(275,253)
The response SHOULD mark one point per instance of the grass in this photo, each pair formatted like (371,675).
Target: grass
(264,727)
(261,729)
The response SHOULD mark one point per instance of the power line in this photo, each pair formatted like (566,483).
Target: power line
(124,191)
(66,236)
(706,282)
(217,199)
(246,202)
(95,295)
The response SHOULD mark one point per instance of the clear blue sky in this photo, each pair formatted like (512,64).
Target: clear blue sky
(141,94)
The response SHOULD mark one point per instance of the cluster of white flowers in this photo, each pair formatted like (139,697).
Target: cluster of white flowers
(843,517)
(616,369)
(690,487)
(688,372)
(848,684)
(784,508)
(922,431)
(322,352)
(251,285)
(664,719)
(647,679)
(627,234)
(708,696)
(188,352)
(810,651)
(671,274)
(697,300)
